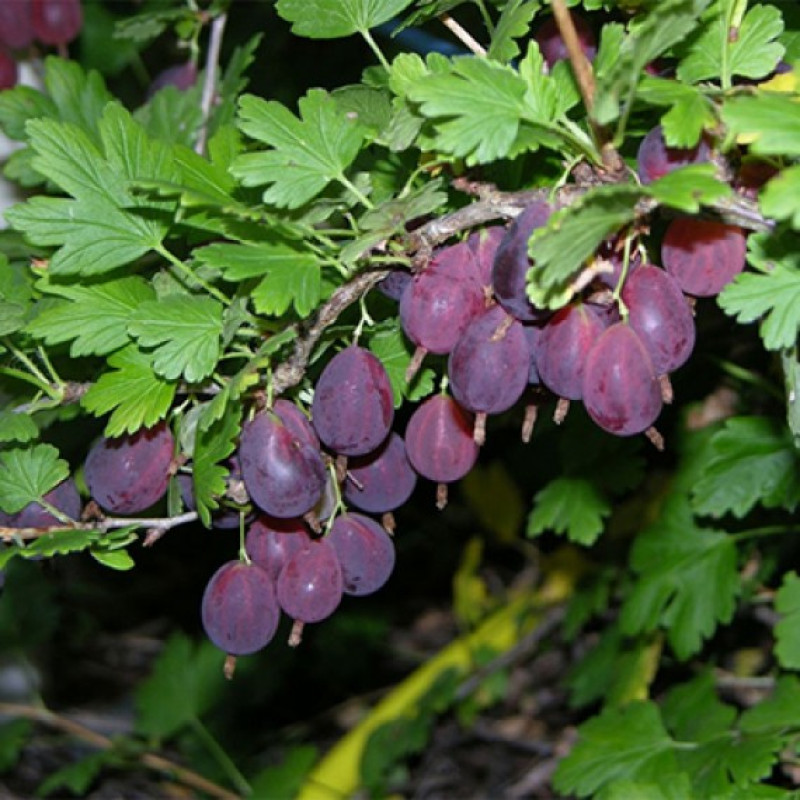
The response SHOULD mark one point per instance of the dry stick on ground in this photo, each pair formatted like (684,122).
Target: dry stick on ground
(158,763)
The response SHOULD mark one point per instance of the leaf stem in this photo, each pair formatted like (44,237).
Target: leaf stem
(28,378)
(54,376)
(767,530)
(360,196)
(186,272)
(373,45)
(221,757)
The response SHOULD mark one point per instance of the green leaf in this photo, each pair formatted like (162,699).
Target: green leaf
(476,108)
(780,711)
(780,198)
(391,347)
(768,123)
(29,610)
(687,188)
(186,679)
(94,317)
(14,736)
(28,475)
(693,712)
(690,110)
(772,295)
(185,332)
(678,788)
(751,460)
(306,154)
(289,276)
(119,560)
(20,104)
(79,95)
(93,231)
(572,235)
(60,542)
(665,24)
(514,23)
(572,506)
(173,115)
(133,392)
(787,630)
(215,440)
(715,53)
(628,743)
(16,427)
(334,19)
(286,778)
(688,581)
(615,671)
(78,776)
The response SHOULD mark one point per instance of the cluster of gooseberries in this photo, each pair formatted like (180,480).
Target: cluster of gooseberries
(23,22)
(295,475)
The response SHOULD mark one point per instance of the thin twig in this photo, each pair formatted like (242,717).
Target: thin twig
(101,742)
(586,84)
(162,524)
(210,82)
(463,35)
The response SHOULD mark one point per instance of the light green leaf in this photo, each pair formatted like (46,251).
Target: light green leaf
(768,123)
(94,236)
(136,395)
(28,474)
(687,580)
(772,297)
(684,123)
(94,317)
(780,198)
(185,333)
(119,560)
(628,743)
(665,24)
(787,630)
(306,154)
(572,506)
(476,108)
(678,788)
(16,427)
(751,460)
(290,276)
(334,19)
(514,23)
(96,232)
(79,95)
(687,188)
(573,234)
(714,53)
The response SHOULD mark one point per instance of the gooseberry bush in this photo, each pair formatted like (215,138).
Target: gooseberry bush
(283,320)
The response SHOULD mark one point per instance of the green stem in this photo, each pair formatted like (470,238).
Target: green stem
(24,376)
(750,377)
(768,530)
(186,272)
(23,359)
(48,365)
(222,758)
(373,45)
(487,20)
(362,198)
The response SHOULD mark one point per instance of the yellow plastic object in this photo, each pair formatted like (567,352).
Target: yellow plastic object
(337,775)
